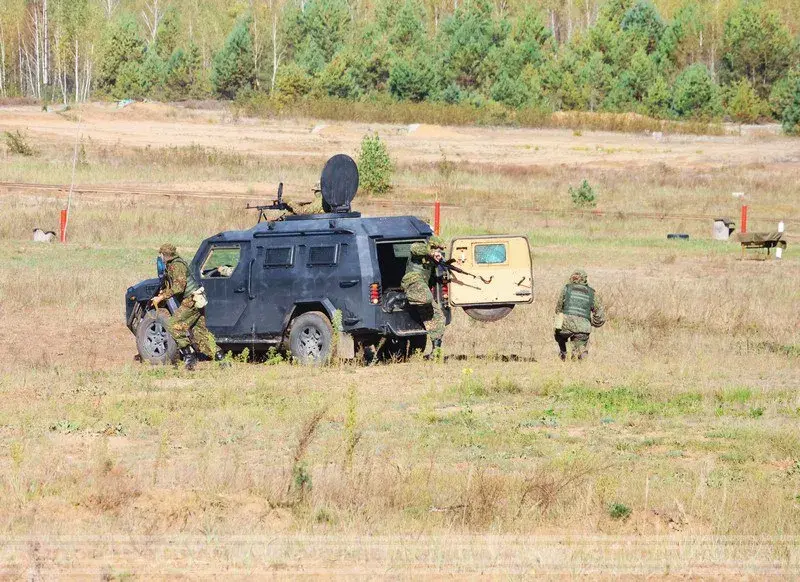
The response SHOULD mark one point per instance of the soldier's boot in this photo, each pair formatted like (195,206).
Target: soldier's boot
(436,351)
(563,356)
(189,360)
(219,356)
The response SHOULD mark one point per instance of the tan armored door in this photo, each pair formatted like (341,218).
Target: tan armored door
(498,275)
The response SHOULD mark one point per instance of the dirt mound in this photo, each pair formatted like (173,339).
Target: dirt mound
(426,131)
(132,112)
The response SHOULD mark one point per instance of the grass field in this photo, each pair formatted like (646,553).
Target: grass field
(673,451)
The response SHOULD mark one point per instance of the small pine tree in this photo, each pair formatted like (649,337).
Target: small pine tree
(233,66)
(744,105)
(411,79)
(291,83)
(122,52)
(695,95)
(583,196)
(374,165)
(790,120)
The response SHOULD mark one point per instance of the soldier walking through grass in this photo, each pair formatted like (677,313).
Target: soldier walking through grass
(416,284)
(191,314)
(578,310)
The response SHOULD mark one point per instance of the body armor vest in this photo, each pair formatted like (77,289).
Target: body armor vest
(579,300)
(191,283)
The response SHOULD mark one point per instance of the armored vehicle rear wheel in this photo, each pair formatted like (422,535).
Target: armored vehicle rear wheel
(311,337)
(494,313)
(153,341)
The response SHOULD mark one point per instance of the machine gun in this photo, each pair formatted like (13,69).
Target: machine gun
(277,204)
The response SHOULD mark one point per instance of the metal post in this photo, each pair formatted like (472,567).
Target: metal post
(437,215)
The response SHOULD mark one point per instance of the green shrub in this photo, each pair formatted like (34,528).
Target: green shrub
(583,196)
(18,144)
(619,511)
(374,165)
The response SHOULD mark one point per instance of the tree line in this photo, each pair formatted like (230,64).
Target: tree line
(702,60)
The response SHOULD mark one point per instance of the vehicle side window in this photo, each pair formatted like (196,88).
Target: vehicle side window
(221,262)
(490,254)
(323,255)
(279,257)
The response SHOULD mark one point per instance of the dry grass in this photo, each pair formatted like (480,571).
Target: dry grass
(389,111)
(682,425)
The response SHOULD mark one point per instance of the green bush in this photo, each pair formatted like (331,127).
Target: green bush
(374,165)
(619,511)
(18,144)
(583,196)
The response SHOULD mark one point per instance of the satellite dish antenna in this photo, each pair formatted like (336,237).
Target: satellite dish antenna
(339,183)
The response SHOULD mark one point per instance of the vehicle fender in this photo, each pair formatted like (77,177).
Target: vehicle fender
(143,290)
(309,305)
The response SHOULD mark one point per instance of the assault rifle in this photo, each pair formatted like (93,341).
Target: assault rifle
(449,266)
(277,204)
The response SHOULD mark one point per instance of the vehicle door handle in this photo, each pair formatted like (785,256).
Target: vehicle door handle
(349,283)
(250,279)
(241,289)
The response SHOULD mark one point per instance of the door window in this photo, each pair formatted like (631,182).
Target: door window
(221,262)
(490,254)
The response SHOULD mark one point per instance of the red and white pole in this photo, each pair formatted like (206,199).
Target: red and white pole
(437,216)
(744,218)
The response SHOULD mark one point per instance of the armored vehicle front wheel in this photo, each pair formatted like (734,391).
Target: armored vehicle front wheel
(153,341)
(311,337)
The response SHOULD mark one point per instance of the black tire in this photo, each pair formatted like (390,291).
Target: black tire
(311,338)
(154,343)
(494,313)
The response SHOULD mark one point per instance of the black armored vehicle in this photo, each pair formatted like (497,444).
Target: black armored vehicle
(283,283)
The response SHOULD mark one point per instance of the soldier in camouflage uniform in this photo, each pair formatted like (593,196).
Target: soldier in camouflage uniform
(581,310)
(316,206)
(416,284)
(181,284)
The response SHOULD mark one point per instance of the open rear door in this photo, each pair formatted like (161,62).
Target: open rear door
(499,275)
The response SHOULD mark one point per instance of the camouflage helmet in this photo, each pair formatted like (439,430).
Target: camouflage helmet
(579,276)
(168,250)
(436,242)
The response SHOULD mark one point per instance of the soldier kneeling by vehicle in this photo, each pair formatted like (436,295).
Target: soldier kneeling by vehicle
(578,310)
(190,315)
(416,284)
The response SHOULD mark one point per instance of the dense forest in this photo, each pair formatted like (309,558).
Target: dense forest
(705,59)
